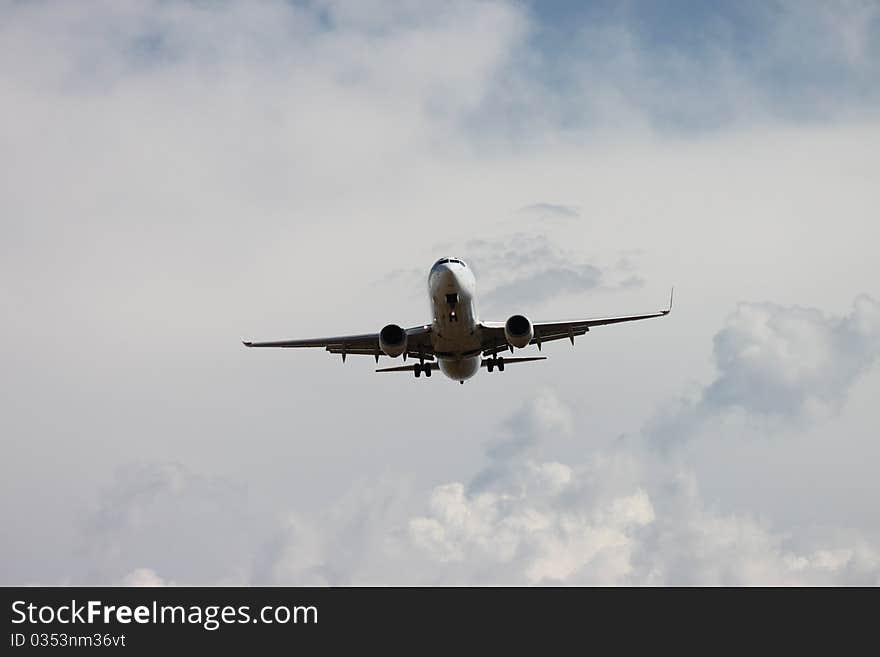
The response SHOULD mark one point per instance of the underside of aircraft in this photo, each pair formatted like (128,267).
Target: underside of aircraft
(456,342)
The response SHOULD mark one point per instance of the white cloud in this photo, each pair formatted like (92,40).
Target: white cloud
(774,359)
(621,517)
(780,363)
(537,533)
(524,268)
(144,577)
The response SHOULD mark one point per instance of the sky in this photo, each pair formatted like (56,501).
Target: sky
(177,175)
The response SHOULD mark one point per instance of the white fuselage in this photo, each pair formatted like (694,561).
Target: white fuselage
(455,327)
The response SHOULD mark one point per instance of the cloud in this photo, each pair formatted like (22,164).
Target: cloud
(621,516)
(521,432)
(164,514)
(529,522)
(692,544)
(780,364)
(789,360)
(549,211)
(144,577)
(359,539)
(521,270)
(541,531)
(545,284)
(525,426)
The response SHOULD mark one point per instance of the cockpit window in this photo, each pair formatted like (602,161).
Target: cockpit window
(443,261)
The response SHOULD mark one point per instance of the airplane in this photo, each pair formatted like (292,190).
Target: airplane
(456,342)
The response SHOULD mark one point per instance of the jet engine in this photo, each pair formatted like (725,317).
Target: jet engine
(392,340)
(518,331)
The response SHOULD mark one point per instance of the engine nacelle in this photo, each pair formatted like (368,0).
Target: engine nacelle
(392,340)
(519,331)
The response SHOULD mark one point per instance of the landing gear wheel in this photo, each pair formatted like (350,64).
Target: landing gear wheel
(490,364)
(500,364)
(417,371)
(427,369)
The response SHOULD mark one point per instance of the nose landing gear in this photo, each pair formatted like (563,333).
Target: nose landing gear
(452,301)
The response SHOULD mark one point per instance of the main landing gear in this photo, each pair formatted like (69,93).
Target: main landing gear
(422,367)
(492,363)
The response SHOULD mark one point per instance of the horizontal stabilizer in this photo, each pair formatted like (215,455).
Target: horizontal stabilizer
(409,368)
(511,361)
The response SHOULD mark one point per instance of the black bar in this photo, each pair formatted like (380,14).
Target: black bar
(415,620)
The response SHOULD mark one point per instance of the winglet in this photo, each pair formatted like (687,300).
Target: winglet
(671,294)
(247,343)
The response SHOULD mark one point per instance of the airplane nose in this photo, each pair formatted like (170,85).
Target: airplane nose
(446,276)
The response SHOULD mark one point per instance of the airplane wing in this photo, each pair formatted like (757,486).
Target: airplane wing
(495,341)
(418,344)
